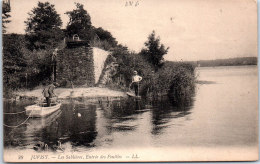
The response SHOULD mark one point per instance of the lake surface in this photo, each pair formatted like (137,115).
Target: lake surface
(222,113)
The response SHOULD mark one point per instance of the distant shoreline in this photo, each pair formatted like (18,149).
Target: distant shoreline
(227,66)
(241,61)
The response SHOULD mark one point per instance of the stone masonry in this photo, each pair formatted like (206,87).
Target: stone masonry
(75,66)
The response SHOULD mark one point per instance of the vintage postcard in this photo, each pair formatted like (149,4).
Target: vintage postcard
(129,80)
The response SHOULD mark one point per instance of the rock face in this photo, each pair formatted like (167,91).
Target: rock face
(108,72)
(100,57)
(75,66)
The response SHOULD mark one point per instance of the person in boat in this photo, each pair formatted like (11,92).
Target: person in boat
(135,82)
(48,93)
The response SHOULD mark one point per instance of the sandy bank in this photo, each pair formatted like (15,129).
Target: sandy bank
(99,57)
(64,93)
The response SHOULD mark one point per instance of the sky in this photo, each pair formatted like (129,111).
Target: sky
(192,29)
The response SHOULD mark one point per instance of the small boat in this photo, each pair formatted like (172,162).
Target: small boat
(41,109)
(39,123)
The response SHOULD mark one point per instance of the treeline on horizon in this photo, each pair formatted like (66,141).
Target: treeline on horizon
(239,61)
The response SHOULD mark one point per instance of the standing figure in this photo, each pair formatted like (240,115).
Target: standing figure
(48,93)
(135,82)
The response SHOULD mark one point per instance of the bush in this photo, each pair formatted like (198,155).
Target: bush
(23,68)
(182,85)
(14,63)
(176,80)
(103,35)
(128,63)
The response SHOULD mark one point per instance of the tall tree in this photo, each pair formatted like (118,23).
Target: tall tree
(5,14)
(43,27)
(154,51)
(79,22)
(14,62)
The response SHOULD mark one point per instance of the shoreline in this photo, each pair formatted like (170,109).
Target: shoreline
(65,93)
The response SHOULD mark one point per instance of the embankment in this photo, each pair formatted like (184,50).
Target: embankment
(99,57)
(65,93)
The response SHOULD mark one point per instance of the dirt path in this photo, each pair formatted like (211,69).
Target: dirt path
(64,93)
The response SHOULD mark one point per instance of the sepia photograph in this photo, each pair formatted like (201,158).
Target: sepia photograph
(129,80)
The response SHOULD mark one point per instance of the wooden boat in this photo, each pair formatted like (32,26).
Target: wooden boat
(39,123)
(41,109)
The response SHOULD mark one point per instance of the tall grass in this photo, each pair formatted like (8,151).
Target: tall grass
(175,79)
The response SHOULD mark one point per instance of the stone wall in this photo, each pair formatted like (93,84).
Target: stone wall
(75,67)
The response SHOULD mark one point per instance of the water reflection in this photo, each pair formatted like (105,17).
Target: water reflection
(84,125)
(43,133)
(78,125)
(165,110)
(14,136)
(119,113)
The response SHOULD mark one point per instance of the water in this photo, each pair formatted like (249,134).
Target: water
(223,112)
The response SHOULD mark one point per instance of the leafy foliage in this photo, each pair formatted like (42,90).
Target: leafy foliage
(22,67)
(154,51)
(128,63)
(43,27)
(105,36)
(175,79)
(5,15)
(79,22)
(14,63)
